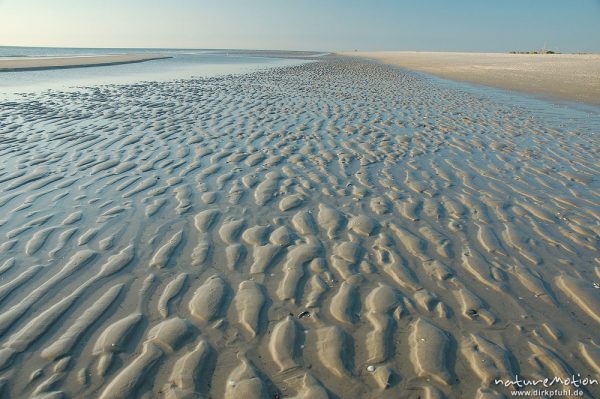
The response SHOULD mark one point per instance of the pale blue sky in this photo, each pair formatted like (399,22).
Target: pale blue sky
(451,25)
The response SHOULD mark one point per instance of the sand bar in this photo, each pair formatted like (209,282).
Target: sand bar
(566,76)
(40,63)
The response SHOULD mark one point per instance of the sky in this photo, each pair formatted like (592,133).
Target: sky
(323,25)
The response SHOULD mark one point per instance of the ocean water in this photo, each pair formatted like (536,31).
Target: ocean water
(183,64)
(13,51)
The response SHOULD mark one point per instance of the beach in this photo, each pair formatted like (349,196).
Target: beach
(16,64)
(574,77)
(339,228)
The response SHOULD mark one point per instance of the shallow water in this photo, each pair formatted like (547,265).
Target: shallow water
(184,64)
(335,229)
(16,51)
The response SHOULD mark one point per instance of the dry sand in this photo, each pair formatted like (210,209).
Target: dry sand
(340,229)
(31,63)
(566,76)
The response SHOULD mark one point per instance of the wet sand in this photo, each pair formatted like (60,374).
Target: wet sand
(34,64)
(573,77)
(339,229)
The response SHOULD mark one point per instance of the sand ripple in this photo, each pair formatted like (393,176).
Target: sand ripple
(337,229)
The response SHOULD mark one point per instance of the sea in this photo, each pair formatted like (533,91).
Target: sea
(183,64)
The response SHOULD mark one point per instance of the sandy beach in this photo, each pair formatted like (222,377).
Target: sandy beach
(337,229)
(41,63)
(573,77)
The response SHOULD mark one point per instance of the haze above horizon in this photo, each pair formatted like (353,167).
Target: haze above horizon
(431,25)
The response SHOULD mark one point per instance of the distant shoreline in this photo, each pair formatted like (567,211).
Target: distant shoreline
(574,77)
(22,64)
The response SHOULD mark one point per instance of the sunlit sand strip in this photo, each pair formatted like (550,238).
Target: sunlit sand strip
(32,64)
(566,76)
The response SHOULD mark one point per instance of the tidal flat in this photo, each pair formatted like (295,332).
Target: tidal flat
(336,229)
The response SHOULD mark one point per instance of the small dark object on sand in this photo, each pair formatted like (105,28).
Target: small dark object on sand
(303,314)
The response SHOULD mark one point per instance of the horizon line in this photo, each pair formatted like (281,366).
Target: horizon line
(275,49)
